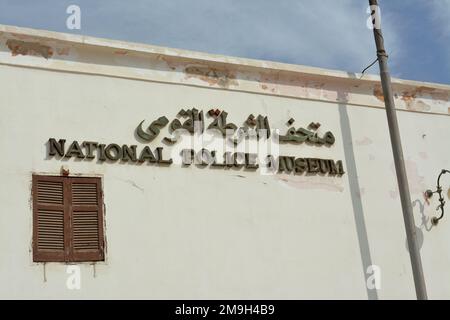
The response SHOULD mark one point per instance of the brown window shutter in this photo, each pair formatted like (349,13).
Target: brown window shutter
(86,219)
(49,219)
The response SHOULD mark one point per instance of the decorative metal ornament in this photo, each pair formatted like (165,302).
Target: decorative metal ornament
(429,194)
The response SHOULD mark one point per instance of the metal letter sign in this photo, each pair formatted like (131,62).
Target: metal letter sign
(193,123)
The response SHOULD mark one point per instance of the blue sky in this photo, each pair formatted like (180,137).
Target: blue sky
(326,33)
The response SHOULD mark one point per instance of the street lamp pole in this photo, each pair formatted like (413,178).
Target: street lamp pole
(402,180)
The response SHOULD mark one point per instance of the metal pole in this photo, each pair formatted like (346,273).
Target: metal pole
(402,180)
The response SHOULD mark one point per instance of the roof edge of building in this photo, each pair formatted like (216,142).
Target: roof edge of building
(273,78)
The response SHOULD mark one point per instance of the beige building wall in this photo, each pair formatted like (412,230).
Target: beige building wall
(202,233)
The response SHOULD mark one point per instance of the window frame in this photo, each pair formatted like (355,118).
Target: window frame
(69,254)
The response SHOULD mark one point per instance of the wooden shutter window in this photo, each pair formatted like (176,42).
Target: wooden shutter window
(67,219)
(48,219)
(86,219)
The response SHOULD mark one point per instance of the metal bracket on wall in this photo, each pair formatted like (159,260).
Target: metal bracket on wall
(429,194)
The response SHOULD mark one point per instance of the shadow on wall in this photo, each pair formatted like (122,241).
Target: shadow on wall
(425,223)
(358,212)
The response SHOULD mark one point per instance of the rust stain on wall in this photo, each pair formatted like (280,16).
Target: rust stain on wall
(414,98)
(408,97)
(121,52)
(279,83)
(378,93)
(212,76)
(29,48)
(433,93)
(411,102)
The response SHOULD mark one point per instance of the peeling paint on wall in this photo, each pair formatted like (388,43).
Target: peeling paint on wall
(121,52)
(378,93)
(142,62)
(412,103)
(29,48)
(212,76)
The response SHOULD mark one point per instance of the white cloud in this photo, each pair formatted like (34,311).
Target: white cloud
(441,13)
(440,10)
